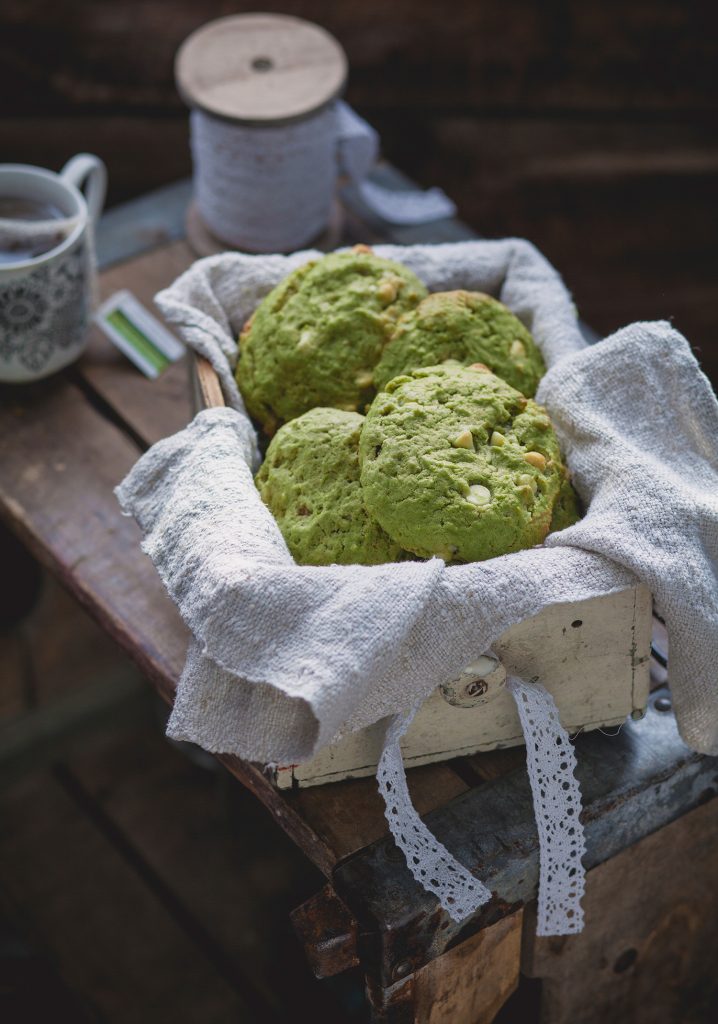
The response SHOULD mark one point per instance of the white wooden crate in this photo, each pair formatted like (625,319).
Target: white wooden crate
(592,656)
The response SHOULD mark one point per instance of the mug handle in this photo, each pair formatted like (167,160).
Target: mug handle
(88,170)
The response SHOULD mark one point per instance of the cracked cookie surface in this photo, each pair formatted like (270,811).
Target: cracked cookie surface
(310,482)
(468,327)
(457,463)
(316,338)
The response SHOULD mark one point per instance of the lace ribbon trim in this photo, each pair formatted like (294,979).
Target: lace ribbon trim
(431,864)
(551,764)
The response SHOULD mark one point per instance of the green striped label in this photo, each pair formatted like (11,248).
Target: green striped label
(138,340)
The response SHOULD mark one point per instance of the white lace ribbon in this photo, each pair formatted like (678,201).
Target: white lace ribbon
(431,864)
(270,188)
(358,151)
(551,765)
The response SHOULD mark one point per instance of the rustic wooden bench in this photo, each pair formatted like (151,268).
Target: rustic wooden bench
(651,820)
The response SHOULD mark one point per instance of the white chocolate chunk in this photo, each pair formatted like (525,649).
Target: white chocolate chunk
(306,341)
(535,459)
(518,349)
(479,495)
(387,290)
(526,480)
(464,440)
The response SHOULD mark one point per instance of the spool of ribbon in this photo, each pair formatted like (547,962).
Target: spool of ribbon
(270,137)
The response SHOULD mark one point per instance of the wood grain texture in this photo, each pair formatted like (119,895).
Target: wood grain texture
(210,390)
(466,985)
(328,933)
(647,954)
(592,656)
(152,409)
(53,860)
(57,454)
(656,779)
(260,68)
(350,815)
(644,56)
(222,862)
(470,983)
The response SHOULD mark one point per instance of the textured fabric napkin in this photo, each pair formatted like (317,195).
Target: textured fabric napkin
(286,657)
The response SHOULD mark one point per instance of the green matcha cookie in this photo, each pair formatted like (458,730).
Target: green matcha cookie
(567,510)
(310,481)
(466,326)
(456,463)
(316,338)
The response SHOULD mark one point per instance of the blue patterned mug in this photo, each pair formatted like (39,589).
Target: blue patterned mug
(47,266)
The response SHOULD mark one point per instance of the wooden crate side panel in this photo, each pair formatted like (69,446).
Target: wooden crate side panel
(591,655)
(647,954)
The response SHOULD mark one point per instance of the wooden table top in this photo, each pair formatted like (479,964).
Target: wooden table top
(65,443)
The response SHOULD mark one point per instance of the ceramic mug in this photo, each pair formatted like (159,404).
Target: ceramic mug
(46,300)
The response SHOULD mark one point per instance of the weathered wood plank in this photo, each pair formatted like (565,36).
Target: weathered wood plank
(211,843)
(466,985)
(647,953)
(323,847)
(155,218)
(594,665)
(633,784)
(470,983)
(56,455)
(57,866)
(55,450)
(149,408)
(328,933)
(152,408)
(208,381)
(13,678)
(643,56)
(349,815)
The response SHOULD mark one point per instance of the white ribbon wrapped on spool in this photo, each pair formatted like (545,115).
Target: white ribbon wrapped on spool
(270,136)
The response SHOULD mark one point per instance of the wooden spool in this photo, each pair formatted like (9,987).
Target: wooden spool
(259,70)
(204,243)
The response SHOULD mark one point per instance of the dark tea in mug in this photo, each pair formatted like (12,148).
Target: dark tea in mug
(26,243)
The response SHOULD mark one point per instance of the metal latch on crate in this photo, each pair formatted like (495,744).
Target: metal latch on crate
(478,683)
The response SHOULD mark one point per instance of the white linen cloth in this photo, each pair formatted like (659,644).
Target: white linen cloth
(285,657)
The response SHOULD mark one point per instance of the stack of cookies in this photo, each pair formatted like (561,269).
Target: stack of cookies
(402,423)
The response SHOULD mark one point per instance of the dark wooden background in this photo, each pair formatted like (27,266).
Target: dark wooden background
(589,127)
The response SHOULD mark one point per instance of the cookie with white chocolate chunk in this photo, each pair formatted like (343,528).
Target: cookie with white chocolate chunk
(310,481)
(316,338)
(468,327)
(457,463)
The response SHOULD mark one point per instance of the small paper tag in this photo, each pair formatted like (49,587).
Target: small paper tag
(138,334)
